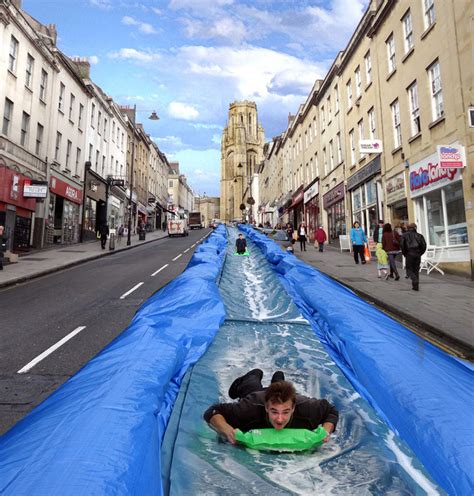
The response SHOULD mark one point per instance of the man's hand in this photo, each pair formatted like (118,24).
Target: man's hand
(218,422)
(329,428)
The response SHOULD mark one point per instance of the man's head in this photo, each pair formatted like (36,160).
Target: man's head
(412,226)
(241,236)
(280,400)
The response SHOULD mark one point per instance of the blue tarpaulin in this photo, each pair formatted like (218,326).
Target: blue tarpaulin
(423,393)
(100,432)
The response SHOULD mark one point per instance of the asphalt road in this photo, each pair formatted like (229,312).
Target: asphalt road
(97,296)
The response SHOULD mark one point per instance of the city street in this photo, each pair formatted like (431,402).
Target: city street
(92,303)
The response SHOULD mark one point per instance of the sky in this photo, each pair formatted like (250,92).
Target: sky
(189,59)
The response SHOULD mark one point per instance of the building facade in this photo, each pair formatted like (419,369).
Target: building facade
(364,145)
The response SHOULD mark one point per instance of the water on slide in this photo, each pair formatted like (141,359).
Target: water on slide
(265,329)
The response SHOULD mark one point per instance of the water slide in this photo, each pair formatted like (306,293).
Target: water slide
(264,328)
(130,422)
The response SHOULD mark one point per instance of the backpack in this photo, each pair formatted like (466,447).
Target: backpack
(414,242)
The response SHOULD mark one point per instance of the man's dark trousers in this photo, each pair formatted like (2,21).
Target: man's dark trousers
(413,268)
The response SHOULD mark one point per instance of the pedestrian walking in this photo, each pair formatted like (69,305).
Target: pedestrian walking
(413,245)
(391,244)
(382,262)
(3,244)
(321,238)
(104,232)
(120,232)
(358,240)
(302,236)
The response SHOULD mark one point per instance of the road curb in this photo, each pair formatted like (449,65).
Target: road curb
(52,270)
(426,331)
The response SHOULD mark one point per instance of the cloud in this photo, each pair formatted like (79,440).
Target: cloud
(318,29)
(216,138)
(93,59)
(102,4)
(168,143)
(255,72)
(143,27)
(182,111)
(135,55)
(199,5)
(199,125)
(227,28)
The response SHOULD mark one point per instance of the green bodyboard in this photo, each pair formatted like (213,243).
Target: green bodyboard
(282,440)
(244,254)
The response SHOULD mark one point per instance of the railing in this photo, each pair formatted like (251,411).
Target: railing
(22,155)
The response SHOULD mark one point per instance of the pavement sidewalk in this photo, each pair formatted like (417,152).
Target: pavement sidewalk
(442,311)
(41,262)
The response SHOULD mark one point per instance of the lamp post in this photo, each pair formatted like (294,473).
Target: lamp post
(152,117)
(130,199)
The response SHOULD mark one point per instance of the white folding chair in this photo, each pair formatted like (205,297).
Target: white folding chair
(430,260)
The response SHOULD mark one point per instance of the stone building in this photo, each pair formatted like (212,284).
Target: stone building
(209,206)
(399,91)
(242,151)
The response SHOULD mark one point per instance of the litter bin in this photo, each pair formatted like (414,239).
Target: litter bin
(112,242)
(141,235)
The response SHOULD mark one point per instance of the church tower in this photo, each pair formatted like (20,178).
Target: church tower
(241,153)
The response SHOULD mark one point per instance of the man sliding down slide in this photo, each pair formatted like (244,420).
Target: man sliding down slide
(277,406)
(240,245)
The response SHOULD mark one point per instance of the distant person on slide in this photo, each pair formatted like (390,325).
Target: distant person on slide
(241,244)
(277,406)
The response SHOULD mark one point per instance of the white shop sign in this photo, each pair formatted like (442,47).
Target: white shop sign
(311,192)
(451,156)
(426,175)
(370,146)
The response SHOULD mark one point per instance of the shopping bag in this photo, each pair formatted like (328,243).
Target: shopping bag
(366,253)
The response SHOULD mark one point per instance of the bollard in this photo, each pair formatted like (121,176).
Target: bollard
(112,242)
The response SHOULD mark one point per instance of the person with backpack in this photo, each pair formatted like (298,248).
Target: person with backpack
(413,245)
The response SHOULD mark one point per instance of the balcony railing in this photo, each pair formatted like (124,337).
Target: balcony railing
(23,156)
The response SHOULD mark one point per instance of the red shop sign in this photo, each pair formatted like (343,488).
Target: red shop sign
(11,188)
(65,190)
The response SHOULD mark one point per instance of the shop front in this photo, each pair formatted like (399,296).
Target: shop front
(95,205)
(366,201)
(16,210)
(282,209)
(311,207)
(142,214)
(333,203)
(438,199)
(396,198)
(63,222)
(296,208)
(117,206)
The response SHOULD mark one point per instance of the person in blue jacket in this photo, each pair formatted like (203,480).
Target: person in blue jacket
(358,240)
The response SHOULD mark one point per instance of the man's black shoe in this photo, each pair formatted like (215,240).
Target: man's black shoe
(235,386)
(278,376)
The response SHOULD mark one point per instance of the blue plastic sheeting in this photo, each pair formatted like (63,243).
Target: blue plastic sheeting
(100,433)
(265,329)
(424,394)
